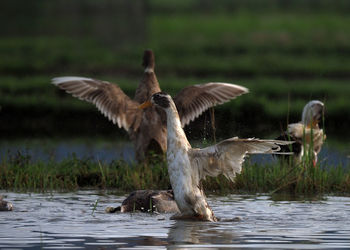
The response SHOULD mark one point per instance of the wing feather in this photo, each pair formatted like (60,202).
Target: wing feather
(108,98)
(227,156)
(194,100)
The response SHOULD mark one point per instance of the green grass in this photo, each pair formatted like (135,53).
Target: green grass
(283,178)
(294,177)
(227,6)
(37,91)
(21,174)
(283,41)
(285,53)
(264,111)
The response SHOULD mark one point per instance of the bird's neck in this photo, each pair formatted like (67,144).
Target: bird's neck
(176,136)
(147,87)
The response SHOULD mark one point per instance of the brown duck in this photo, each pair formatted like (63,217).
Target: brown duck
(5,205)
(147,128)
(161,201)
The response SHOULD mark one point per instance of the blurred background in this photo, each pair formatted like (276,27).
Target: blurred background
(286,52)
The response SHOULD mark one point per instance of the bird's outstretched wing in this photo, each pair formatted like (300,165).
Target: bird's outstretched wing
(194,100)
(107,97)
(294,133)
(227,156)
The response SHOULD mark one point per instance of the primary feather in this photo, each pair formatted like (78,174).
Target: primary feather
(188,166)
(147,128)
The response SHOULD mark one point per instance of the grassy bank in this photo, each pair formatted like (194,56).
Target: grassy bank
(285,53)
(20,174)
(241,43)
(33,106)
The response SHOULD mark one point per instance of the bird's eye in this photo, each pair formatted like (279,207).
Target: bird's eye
(162,101)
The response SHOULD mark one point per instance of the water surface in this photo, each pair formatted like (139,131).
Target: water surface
(104,150)
(72,221)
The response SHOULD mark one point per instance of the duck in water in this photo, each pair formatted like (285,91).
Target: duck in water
(307,134)
(5,205)
(147,128)
(161,201)
(187,166)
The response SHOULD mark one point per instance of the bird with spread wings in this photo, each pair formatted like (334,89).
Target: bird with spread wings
(147,128)
(187,166)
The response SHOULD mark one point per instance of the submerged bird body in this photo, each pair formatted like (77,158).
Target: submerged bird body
(161,201)
(307,134)
(188,166)
(147,128)
(5,205)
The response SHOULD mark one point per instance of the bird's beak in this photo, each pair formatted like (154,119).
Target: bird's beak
(314,122)
(146,104)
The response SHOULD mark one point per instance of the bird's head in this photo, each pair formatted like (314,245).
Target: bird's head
(160,99)
(313,113)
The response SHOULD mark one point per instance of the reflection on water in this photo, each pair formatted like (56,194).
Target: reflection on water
(68,220)
(107,151)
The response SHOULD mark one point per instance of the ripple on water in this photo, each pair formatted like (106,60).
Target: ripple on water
(69,220)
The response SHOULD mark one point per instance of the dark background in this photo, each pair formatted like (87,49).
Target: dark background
(285,52)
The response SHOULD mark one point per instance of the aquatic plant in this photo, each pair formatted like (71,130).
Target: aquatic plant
(20,173)
(94,207)
(295,179)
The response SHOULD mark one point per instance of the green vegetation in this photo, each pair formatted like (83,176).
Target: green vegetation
(303,179)
(33,106)
(285,53)
(21,174)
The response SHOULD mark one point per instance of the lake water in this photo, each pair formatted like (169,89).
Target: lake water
(73,221)
(77,220)
(109,150)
